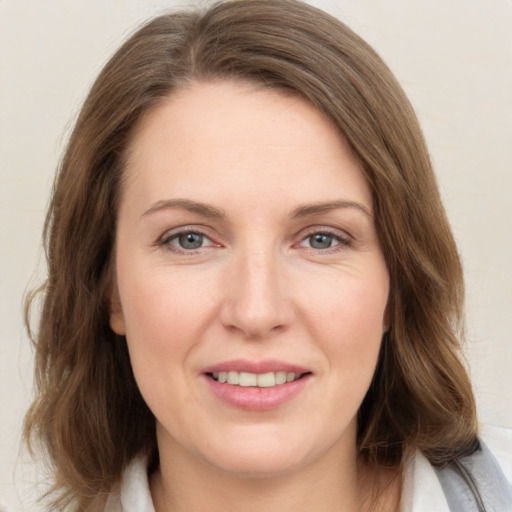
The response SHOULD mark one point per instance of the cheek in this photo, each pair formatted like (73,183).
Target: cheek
(162,318)
(349,320)
(166,315)
(161,303)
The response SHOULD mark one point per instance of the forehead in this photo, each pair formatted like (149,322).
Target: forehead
(241,138)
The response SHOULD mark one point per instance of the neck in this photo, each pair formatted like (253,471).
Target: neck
(335,483)
(212,493)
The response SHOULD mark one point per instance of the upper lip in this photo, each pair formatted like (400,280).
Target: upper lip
(265,366)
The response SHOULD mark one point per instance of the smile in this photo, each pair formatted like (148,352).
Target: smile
(260,380)
(256,385)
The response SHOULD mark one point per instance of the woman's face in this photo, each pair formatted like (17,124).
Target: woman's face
(246,251)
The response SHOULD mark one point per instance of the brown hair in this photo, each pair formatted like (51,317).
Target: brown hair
(88,414)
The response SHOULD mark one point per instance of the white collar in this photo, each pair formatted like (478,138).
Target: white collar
(133,494)
(422,491)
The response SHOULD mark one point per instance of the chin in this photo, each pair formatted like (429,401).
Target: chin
(262,454)
(264,464)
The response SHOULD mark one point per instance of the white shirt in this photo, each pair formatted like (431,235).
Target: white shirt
(422,491)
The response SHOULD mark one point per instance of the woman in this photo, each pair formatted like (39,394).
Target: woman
(254,297)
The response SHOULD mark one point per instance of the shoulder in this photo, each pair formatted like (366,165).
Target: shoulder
(422,489)
(481,481)
(499,441)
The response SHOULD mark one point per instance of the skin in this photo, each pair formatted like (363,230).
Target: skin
(259,286)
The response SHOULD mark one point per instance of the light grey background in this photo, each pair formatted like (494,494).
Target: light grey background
(453,57)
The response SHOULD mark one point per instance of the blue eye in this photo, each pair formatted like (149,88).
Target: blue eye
(186,241)
(321,241)
(190,241)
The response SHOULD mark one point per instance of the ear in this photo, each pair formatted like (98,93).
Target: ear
(386,322)
(117,323)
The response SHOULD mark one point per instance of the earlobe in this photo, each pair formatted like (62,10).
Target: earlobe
(116,321)
(386,324)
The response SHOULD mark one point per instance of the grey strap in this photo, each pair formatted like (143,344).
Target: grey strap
(476,483)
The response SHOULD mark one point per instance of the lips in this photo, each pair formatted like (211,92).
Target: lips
(242,365)
(261,385)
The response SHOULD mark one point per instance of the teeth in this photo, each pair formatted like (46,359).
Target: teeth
(261,380)
(280,377)
(247,379)
(266,380)
(233,378)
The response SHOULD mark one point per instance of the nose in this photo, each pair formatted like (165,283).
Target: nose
(256,302)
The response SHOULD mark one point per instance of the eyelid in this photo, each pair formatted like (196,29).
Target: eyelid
(171,234)
(337,232)
(344,239)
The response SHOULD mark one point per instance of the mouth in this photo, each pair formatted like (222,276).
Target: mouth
(259,380)
(256,385)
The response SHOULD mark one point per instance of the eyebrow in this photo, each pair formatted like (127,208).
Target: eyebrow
(186,204)
(207,210)
(307,210)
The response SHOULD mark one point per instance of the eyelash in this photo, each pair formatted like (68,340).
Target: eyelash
(342,242)
(166,241)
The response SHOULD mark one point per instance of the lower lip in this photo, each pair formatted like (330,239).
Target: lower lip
(254,398)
